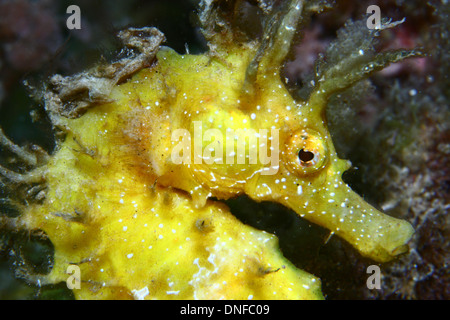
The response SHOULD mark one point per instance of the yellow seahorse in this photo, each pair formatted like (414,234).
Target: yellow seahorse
(148,140)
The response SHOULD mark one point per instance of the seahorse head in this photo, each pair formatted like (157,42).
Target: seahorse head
(244,133)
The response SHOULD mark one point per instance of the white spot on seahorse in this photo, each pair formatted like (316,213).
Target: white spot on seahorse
(140,294)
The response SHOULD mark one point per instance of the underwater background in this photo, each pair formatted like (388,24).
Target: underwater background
(394,129)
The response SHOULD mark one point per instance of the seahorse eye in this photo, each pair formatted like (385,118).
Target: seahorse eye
(305,156)
(306,152)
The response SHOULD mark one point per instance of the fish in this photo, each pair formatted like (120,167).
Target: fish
(151,144)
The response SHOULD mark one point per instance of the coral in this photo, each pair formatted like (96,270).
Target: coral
(117,199)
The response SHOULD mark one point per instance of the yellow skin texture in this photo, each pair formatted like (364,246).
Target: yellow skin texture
(134,234)
(140,225)
(129,233)
(136,231)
